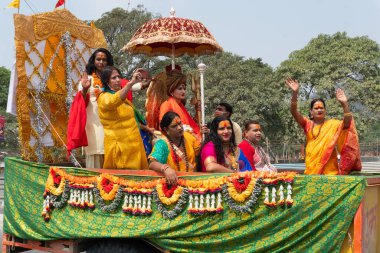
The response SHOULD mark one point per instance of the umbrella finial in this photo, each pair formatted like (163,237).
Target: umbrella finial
(172,12)
(202,68)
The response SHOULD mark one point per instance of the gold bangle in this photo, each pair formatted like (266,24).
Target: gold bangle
(347,114)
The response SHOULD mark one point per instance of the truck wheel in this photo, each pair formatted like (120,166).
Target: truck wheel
(122,246)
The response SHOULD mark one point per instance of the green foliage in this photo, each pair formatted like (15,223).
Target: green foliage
(10,131)
(254,89)
(118,26)
(331,61)
(248,85)
(5,76)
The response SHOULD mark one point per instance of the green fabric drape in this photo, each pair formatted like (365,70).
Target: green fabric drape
(317,222)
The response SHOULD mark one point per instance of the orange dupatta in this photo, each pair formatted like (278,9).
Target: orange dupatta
(171,105)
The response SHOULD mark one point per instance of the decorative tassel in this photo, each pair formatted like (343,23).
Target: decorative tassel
(289,200)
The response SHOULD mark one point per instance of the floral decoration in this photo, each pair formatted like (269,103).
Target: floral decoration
(240,191)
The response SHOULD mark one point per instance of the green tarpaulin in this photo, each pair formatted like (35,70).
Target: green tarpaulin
(318,221)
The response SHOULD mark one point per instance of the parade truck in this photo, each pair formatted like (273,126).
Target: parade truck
(57,207)
(66,209)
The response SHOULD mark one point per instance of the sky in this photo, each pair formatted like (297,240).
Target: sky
(269,29)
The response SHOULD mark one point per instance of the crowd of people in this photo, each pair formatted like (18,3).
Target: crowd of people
(118,137)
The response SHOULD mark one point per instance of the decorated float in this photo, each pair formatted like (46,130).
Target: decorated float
(66,209)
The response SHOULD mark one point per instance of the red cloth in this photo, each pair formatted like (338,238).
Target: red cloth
(76,129)
(122,84)
(59,3)
(248,151)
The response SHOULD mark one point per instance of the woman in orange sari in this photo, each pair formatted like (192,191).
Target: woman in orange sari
(326,138)
(168,93)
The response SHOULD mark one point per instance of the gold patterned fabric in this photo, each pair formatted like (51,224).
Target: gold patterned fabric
(317,221)
(172,36)
(51,52)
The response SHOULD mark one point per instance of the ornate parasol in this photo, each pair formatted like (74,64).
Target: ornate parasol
(173,37)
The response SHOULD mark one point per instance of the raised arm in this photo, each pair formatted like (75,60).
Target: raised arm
(294,86)
(136,77)
(347,116)
(85,83)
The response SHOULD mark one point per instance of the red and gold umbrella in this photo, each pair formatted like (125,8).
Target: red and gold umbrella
(173,37)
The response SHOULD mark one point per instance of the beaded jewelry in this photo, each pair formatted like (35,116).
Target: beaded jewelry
(319,131)
(181,142)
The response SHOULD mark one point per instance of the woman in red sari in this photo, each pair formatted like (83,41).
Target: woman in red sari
(326,138)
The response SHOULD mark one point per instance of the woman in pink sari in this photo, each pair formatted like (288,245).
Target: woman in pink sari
(219,152)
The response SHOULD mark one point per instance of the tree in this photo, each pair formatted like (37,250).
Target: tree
(11,131)
(118,27)
(248,85)
(331,61)
(5,76)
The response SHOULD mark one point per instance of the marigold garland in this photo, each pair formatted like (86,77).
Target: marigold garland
(174,196)
(245,207)
(50,186)
(241,196)
(111,194)
(176,210)
(113,205)
(205,196)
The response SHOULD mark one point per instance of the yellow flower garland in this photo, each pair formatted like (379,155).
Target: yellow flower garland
(51,187)
(107,196)
(146,186)
(241,197)
(173,199)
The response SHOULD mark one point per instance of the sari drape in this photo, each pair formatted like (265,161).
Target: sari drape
(208,150)
(323,148)
(171,105)
(123,144)
(163,153)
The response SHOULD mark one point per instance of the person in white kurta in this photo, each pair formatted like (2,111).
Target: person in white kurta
(91,85)
(94,130)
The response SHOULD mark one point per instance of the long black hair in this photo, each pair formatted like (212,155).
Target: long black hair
(106,75)
(217,141)
(90,67)
(167,119)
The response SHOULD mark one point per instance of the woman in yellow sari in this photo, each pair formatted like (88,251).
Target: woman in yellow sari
(123,145)
(175,151)
(326,138)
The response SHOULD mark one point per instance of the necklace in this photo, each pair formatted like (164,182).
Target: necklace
(176,157)
(96,80)
(319,131)
(231,157)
